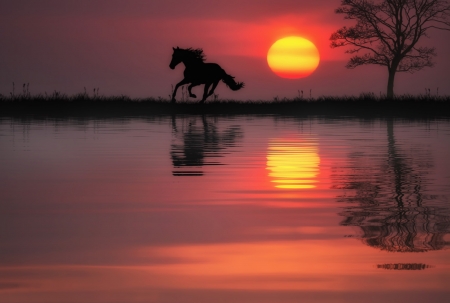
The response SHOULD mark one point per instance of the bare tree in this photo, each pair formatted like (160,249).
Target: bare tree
(387,33)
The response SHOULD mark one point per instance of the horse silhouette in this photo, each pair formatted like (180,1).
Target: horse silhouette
(198,72)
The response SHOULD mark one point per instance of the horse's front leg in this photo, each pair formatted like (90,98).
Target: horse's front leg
(182,82)
(189,90)
(205,92)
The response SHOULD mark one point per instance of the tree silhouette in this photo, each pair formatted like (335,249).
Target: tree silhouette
(387,33)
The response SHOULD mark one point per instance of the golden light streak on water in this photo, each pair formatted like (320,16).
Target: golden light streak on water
(293,163)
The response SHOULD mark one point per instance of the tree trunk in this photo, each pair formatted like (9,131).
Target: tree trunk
(392,70)
(390,86)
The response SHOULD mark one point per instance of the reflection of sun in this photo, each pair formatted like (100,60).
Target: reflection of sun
(293,164)
(293,57)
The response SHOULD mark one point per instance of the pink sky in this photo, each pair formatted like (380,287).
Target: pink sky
(124,47)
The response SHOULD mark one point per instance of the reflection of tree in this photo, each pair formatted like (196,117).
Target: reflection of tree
(198,144)
(388,201)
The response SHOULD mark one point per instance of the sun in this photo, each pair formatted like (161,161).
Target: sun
(293,57)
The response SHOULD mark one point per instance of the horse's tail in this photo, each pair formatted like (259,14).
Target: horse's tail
(229,81)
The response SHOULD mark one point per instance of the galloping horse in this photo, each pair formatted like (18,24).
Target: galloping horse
(198,72)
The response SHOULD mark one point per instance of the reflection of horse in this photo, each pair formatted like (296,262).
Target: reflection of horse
(198,72)
(199,144)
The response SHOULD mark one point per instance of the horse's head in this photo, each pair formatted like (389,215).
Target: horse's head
(176,57)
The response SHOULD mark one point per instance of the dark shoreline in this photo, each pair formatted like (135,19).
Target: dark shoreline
(85,107)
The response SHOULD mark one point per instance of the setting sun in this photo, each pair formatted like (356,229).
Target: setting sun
(293,57)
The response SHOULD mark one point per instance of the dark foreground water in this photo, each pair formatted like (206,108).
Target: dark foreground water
(224,209)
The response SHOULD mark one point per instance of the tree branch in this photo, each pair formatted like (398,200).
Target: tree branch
(387,31)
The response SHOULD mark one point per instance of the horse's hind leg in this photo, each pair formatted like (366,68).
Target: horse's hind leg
(205,92)
(213,88)
(189,90)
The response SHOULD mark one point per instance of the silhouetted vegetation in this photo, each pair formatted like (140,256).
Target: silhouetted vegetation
(59,105)
(388,32)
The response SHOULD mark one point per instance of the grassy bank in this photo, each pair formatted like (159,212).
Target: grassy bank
(63,106)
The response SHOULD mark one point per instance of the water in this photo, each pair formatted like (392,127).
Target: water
(224,209)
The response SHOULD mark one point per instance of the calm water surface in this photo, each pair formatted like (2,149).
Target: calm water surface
(224,209)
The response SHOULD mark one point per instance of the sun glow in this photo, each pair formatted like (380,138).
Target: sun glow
(293,164)
(293,57)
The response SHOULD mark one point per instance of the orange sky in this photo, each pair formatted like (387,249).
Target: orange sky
(124,47)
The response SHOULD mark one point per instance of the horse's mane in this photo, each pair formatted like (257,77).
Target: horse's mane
(195,53)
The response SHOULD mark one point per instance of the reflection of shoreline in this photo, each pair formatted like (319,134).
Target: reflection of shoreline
(199,143)
(404,266)
(388,201)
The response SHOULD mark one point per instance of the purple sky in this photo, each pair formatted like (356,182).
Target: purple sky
(124,47)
